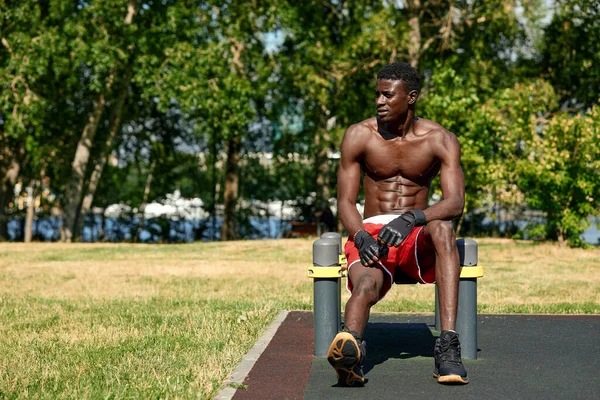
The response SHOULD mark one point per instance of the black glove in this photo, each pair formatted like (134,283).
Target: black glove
(383,251)
(398,229)
(367,246)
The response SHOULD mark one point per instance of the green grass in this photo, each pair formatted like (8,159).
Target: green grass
(173,321)
(134,348)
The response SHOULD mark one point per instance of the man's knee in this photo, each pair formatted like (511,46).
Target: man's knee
(366,287)
(442,233)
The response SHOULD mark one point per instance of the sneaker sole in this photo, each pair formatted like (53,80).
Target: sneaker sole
(344,355)
(456,379)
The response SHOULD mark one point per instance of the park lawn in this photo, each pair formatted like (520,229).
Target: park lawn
(173,321)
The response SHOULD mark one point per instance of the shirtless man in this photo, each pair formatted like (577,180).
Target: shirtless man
(399,154)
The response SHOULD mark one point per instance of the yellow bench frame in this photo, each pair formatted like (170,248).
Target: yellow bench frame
(336,271)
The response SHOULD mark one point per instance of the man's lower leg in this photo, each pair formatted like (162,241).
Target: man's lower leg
(447,353)
(348,349)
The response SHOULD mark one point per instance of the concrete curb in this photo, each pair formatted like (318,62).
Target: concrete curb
(243,369)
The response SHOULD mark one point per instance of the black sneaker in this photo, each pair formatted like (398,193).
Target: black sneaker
(346,354)
(448,364)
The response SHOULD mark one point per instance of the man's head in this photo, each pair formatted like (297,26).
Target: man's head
(400,71)
(398,86)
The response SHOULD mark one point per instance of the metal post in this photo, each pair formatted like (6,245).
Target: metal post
(338,238)
(466,316)
(326,314)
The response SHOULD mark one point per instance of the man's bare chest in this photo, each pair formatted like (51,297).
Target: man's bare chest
(413,161)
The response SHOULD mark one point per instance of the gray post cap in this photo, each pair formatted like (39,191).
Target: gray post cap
(467,252)
(333,236)
(326,252)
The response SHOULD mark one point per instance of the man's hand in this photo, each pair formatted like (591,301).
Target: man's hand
(368,249)
(398,229)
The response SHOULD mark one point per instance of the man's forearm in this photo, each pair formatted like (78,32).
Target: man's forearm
(351,218)
(445,210)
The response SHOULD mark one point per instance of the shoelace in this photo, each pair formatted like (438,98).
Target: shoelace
(450,351)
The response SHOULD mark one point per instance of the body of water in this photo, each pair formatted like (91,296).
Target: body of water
(176,231)
(152,230)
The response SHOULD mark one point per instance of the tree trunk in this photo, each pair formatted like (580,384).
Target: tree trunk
(230,194)
(414,33)
(322,141)
(416,45)
(101,229)
(30,212)
(80,162)
(7,185)
(213,167)
(115,124)
(323,191)
(560,235)
(145,198)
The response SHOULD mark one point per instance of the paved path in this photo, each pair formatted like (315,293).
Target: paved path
(520,357)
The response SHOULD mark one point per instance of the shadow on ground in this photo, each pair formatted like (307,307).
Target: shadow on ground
(519,357)
(397,340)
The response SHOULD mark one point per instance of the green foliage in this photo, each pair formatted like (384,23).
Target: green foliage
(31,55)
(215,65)
(571,52)
(537,156)
(561,173)
(505,121)
(289,78)
(451,101)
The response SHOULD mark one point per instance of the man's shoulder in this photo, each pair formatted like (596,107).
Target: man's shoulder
(440,140)
(359,134)
(433,131)
(427,127)
(362,127)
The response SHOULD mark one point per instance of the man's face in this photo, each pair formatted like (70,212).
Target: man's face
(392,99)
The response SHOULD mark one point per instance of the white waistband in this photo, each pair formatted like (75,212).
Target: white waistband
(380,219)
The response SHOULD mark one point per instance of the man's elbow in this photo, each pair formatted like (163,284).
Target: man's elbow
(458,209)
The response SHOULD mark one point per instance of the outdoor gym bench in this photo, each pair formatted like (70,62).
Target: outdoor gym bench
(327,274)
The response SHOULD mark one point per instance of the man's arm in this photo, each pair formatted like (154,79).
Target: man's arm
(348,181)
(446,148)
(348,185)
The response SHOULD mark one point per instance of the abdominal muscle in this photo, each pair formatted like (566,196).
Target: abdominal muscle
(395,195)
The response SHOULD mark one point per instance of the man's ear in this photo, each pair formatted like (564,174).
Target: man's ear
(413,95)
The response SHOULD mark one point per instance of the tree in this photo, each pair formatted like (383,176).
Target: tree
(570,52)
(224,54)
(101,41)
(327,60)
(32,60)
(561,174)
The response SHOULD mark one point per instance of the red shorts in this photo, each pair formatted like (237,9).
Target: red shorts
(401,262)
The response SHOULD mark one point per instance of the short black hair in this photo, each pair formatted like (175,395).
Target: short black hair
(401,71)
